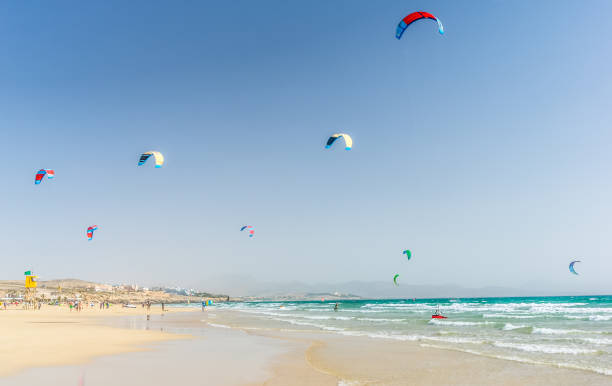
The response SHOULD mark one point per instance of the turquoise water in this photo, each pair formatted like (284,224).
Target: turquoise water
(573,332)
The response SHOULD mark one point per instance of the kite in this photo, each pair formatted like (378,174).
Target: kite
(571,267)
(159,158)
(90,231)
(348,141)
(249,228)
(41,174)
(405,22)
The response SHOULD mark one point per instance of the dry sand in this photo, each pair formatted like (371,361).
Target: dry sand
(55,335)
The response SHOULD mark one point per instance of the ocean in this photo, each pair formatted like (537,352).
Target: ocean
(571,332)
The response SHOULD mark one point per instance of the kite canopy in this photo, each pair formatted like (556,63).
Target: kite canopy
(249,229)
(395,279)
(90,231)
(407,253)
(41,174)
(405,22)
(159,158)
(571,267)
(348,141)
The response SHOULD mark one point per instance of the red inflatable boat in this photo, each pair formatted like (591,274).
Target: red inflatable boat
(438,315)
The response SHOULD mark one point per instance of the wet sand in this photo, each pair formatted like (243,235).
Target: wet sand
(364,362)
(352,360)
(251,353)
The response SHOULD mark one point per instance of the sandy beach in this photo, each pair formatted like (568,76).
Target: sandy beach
(55,346)
(55,335)
(220,347)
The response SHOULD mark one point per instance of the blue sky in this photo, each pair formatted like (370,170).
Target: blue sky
(486,151)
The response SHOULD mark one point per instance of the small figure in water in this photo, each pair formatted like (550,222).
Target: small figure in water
(336,307)
(437,311)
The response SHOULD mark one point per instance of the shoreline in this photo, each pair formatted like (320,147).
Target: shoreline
(361,360)
(130,350)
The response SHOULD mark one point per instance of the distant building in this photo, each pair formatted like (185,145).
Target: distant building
(126,287)
(103,288)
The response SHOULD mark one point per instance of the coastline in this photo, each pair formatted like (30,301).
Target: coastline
(227,347)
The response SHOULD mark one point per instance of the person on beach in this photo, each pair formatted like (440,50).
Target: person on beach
(163,307)
(148,309)
(336,307)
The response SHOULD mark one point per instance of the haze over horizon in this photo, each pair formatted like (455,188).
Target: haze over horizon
(488,157)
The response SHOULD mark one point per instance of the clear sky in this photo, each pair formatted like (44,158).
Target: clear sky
(487,151)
